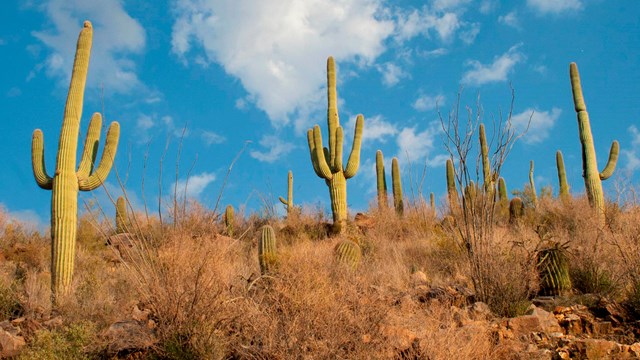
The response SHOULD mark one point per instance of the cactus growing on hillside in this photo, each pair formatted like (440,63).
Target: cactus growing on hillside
(503,195)
(452,192)
(516,209)
(432,202)
(66,181)
(288,202)
(122,220)
(228,219)
(327,162)
(267,254)
(532,185)
(487,177)
(381,181)
(348,252)
(563,193)
(592,178)
(398,202)
(553,269)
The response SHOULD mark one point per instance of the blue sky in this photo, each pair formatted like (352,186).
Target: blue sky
(233,72)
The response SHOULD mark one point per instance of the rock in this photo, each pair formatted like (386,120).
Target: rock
(597,349)
(128,336)
(538,321)
(458,296)
(10,344)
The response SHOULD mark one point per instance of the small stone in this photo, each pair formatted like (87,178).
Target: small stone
(10,345)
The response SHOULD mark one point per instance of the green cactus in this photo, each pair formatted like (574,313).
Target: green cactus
(288,202)
(381,181)
(503,195)
(516,209)
(553,269)
(267,254)
(122,219)
(487,178)
(470,194)
(229,219)
(66,181)
(398,202)
(349,253)
(532,185)
(562,177)
(592,178)
(452,192)
(327,162)
(432,202)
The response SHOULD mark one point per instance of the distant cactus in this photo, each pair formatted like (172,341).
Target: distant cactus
(470,194)
(487,177)
(553,269)
(288,202)
(516,209)
(503,195)
(452,192)
(122,220)
(229,219)
(562,177)
(267,254)
(592,179)
(348,252)
(381,181)
(532,185)
(432,202)
(66,181)
(398,201)
(327,162)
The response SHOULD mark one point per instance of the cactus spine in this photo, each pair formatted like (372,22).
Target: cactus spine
(288,203)
(562,177)
(592,178)
(381,181)
(122,220)
(228,219)
(532,185)
(327,162)
(267,255)
(398,202)
(452,193)
(66,181)
(348,252)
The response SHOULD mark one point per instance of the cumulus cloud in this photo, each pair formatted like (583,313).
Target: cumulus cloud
(541,123)
(497,71)
(376,128)
(392,73)
(633,154)
(193,186)
(26,217)
(554,6)
(424,22)
(510,19)
(116,37)
(428,102)
(210,138)
(278,48)
(420,146)
(276,148)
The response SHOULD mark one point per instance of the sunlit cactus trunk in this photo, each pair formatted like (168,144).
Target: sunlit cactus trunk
(396,181)
(532,185)
(66,181)
(592,178)
(381,181)
(563,192)
(288,202)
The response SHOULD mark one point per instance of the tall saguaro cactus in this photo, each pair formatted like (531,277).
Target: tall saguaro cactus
(327,162)
(486,166)
(381,181)
(532,185)
(398,201)
(562,177)
(67,181)
(592,178)
(452,192)
(288,202)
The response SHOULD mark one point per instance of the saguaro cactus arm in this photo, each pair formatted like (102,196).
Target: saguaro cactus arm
(106,161)
(354,158)
(611,162)
(90,150)
(288,202)
(320,155)
(562,176)
(43,180)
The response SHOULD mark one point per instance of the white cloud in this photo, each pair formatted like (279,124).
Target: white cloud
(375,129)
(426,102)
(488,6)
(541,123)
(497,71)
(210,137)
(276,149)
(633,154)
(468,36)
(194,185)
(510,19)
(392,73)
(449,4)
(278,48)
(27,217)
(145,122)
(116,36)
(424,22)
(420,146)
(554,6)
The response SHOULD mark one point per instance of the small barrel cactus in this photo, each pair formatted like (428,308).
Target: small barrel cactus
(516,209)
(553,269)
(267,254)
(349,253)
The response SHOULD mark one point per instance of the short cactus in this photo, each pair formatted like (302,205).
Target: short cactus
(229,219)
(349,253)
(532,185)
(288,202)
(381,181)
(553,269)
(432,202)
(452,192)
(516,209)
(327,162)
(267,254)
(67,181)
(487,177)
(398,201)
(563,193)
(122,219)
(503,195)
(592,178)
